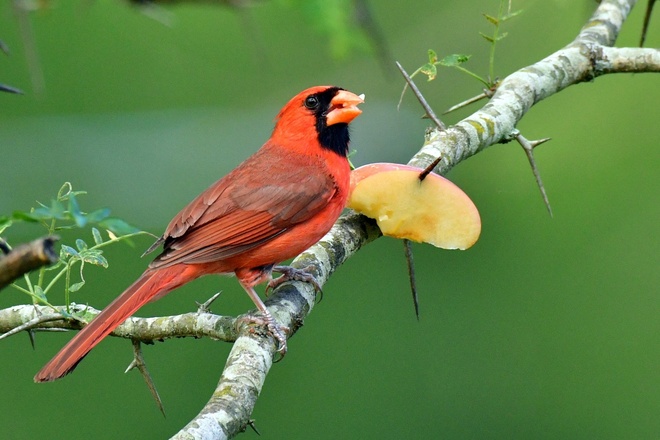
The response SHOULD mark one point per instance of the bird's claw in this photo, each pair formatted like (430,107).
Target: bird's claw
(292,274)
(278,331)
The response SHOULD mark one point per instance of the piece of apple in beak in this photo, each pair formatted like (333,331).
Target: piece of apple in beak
(432,210)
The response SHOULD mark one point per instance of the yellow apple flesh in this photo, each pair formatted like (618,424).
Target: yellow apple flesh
(433,210)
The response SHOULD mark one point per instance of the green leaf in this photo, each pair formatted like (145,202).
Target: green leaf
(98,215)
(25,216)
(66,227)
(74,210)
(433,57)
(489,39)
(454,60)
(97,236)
(492,19)
(510,15)
(94,257)
(429,70)
(55,211)
(68,251)
(76,286)
(38,214)
(502,35)
(5,222)
(81,245)
(118,226)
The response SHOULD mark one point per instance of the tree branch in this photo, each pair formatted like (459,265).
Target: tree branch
(628,60)
(193,324)
(582,60)
(26,258)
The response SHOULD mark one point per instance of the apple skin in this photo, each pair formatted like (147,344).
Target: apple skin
(433,210)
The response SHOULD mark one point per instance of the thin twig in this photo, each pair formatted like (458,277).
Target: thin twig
(465,103)
(487,93)
(427,108)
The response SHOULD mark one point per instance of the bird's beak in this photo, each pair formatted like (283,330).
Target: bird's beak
(343,108)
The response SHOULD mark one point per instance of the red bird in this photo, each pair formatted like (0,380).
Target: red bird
(273,206)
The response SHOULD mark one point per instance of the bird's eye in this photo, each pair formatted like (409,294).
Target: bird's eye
(312,102)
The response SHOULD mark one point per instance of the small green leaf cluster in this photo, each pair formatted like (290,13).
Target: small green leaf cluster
(64,213)
(497,35)
(430,69)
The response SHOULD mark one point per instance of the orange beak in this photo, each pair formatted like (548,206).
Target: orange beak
(343,108)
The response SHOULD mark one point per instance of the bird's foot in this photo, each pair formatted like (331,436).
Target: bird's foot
(292,274)
(278,331)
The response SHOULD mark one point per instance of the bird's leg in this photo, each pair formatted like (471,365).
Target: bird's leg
(291,273)
(278,331)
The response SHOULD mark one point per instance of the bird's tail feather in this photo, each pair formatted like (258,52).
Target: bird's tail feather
(153,284)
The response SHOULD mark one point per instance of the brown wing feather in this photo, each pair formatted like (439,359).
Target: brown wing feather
(267,194)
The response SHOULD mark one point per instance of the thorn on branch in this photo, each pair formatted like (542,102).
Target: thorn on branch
(205,307)
(31,336)
(647,20)
(139,363)
(411,274)
(251,424)
(427,108)
(528,146)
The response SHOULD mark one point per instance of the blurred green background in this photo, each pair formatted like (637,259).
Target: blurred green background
(547,328)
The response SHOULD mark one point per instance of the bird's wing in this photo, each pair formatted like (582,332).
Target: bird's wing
(262,198)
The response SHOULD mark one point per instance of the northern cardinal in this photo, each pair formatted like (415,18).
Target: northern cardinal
(273,206)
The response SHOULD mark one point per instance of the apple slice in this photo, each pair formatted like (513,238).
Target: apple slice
(433,210)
